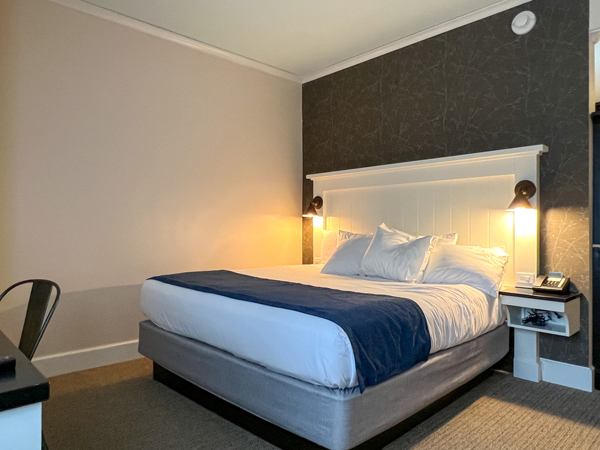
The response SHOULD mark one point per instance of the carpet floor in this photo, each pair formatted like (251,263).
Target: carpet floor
(121,407)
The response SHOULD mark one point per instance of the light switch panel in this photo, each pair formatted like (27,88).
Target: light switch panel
(525,279)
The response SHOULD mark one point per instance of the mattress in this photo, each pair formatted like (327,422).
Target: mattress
(306,347)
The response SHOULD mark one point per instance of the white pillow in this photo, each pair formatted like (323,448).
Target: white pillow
(344,235)
(346,259)
(449,238)
(393,255)
(331,241)
(329,244)
(481,268)
(400,236)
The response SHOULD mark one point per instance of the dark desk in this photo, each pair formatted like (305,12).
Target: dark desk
(21,395)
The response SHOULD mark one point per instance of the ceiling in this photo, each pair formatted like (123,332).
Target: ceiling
(300,37)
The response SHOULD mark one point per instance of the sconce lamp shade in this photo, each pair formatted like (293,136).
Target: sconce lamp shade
(524,190)
(311,210)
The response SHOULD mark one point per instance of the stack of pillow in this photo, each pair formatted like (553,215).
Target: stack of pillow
(399,256)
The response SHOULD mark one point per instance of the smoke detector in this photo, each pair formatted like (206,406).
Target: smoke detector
(523,22)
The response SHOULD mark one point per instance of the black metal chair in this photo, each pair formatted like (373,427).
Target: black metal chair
(37,317)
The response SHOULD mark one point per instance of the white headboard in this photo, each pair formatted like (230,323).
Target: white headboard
(467,194)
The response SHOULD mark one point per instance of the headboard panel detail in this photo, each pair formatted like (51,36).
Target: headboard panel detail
(467,194)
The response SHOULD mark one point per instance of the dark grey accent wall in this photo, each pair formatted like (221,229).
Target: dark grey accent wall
(476,88)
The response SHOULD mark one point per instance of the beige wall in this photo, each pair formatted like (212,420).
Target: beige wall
(125,156)
(594,15)
(595,66)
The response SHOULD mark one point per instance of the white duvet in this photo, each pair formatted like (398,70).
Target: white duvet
(303,346)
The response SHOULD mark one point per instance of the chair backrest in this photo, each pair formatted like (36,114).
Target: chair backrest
(36,319)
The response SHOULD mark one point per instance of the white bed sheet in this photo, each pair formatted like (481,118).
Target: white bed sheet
(304,346)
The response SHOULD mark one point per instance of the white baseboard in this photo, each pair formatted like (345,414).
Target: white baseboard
(87,358)
(527,370)
(577,377)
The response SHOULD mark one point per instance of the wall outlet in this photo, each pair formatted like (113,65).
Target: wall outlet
(525,279)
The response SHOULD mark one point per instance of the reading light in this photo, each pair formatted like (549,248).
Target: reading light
(311,211)
(524,190)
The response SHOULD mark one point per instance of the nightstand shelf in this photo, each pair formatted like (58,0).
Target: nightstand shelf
(550,328)
(519,302)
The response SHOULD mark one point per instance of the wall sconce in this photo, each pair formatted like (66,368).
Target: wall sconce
(311,211)
(524,190)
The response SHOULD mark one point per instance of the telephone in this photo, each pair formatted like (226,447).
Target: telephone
(554,282)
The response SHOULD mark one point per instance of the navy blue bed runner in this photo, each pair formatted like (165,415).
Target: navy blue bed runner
(388,334)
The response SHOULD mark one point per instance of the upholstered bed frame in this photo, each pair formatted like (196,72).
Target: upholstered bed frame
(466,194)
(337,419)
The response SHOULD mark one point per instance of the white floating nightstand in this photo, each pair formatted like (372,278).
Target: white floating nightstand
(563,310)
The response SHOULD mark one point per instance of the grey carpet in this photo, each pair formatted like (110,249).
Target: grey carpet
(121,407)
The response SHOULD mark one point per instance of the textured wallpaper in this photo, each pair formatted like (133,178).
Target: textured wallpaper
(473,89)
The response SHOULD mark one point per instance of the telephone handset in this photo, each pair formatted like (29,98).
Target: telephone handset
(554,282)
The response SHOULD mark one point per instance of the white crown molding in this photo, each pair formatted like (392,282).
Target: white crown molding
(417,37)
(112,16)
(570,375)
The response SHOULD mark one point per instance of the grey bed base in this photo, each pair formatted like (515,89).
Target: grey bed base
(338,419)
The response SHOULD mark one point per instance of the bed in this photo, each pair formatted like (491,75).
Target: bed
(241,353)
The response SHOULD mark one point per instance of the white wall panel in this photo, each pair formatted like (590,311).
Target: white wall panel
(479,207)
(443,208)
(467,194)
(463,206)
(460,212)
(426,204)
(410,196)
